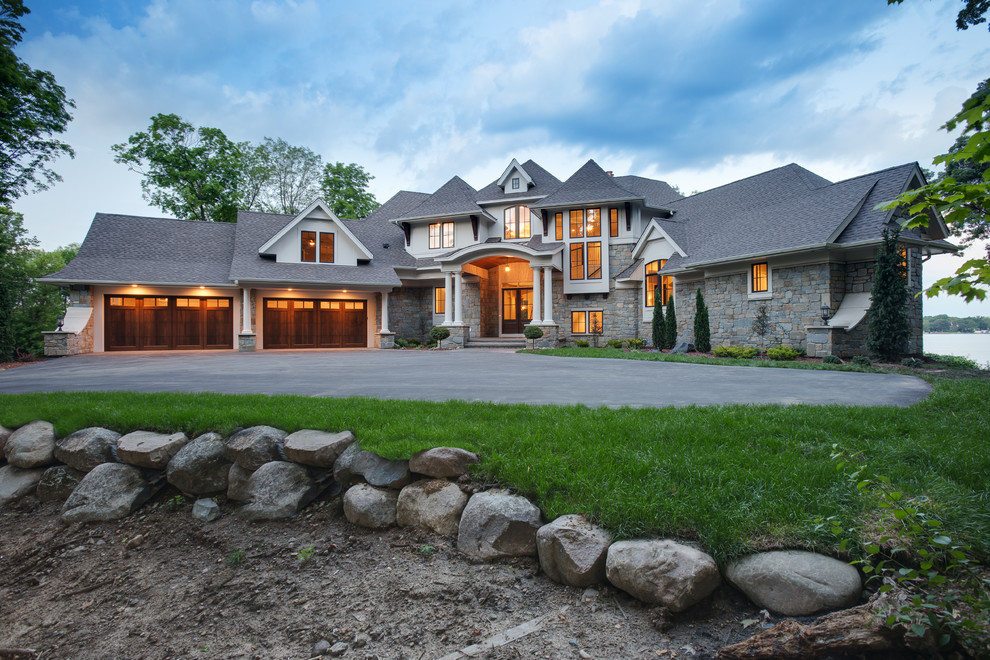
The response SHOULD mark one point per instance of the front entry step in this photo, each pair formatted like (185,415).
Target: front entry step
(514,343)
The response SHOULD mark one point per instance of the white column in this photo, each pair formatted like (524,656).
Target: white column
(548,295)
(448,298)
(385,312)
(537,307)
(458,292)
(246,307)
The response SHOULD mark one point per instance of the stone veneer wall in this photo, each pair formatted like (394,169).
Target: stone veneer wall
(621,307)
(490,303)
(57,343)
(410,312)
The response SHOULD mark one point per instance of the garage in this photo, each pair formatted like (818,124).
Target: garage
(161,323)
(293,323)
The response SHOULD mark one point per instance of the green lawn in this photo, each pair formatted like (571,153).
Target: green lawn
(733,477)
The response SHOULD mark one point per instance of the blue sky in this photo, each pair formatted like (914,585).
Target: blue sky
(697,93)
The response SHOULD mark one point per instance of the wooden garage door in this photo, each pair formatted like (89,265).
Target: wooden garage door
(315,323)
(146,323)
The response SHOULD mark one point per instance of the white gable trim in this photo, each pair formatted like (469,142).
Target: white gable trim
(654,226)
(303,215)
(514,165)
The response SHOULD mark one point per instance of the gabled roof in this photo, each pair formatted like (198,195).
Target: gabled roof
(655,229)
(656,194)
(303,215)
(453,198)
(544,183)
(126,249)
(514,165)
(588,185)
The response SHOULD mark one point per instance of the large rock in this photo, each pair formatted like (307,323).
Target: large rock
(148,449)
(87,448)
(58,482)
(796,583)
(108,492)
(443,462)
(572,551)
(4,434)
(662,572)
(435,505)
(279,489)
(15,483)
(206,510)
(355,464)
(495,524)
(317,448)
(255,446)
(201,467)
(237,482)
(368,506)
(31,446)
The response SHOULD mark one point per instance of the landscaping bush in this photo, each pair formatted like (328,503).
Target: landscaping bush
(581,343)
(831,359)
(532,332)
(782,353)
(669,325)
(954,361)
(745,352)
(439,333)
(702,328)
(406,343)
(862,361)
(635,344)
(912,363)
(614,343)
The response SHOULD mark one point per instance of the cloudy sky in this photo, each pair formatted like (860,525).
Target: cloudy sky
(694,92)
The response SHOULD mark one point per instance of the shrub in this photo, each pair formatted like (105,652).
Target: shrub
(439,333)
(614,343)
(532,332)
(831,359)
(761,324)
(406,343)
(862,361)
(669,324)
(955,361)
(581,343)
(702,328)
(912,363)
(782,353)
(889,330)
(658,327)
(635,344)
(736,351)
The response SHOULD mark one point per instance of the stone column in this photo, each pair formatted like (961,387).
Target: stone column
(458,294)
(537,307)
(548,295)
(448,298)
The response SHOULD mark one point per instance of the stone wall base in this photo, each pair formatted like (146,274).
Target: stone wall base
(246,342)
(550,338)
(386,340)
(459,335)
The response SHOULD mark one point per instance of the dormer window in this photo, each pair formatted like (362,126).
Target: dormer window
(308,252)
(441,235)
(517,222)
(310,247)
(515,183)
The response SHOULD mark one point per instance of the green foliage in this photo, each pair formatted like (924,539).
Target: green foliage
(33,109)
(971,14)
(191,173)
(702,328)
(634,344)
(669,324)
(14,280)
(345,189)
(235,558)
(861,361)
(658,326)
(407,343)
(581,343)
(761,323)
(946,323)
(40,305)
(305,554)
(831,359)
(614,343)
(889,329)
(744,352)
(912,363)
(176,502)
(532,332)
(953,361)
(439,333)
(278,177)
(782,353)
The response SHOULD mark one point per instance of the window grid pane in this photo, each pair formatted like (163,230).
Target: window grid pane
(594,261)
(510,222)
(760,278)
(522,217)
(326,247)
(448,234)
(308,252)
(651,282)
(578,323)
(439,300)
(577,224)
(594,223)
(613,222)
(577,261)
(666,288)
(595,322)
(558,221)
(434,235)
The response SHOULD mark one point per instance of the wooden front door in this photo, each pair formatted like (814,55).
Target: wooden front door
(149,323)
(517,310)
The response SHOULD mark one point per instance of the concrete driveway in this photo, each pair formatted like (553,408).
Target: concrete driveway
(472,375)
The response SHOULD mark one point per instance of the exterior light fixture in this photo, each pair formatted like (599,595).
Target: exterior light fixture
(507,268)
(61,321)
(826,313)
(134,285)
(201,286)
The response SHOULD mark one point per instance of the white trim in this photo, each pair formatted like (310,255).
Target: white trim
(303,215)
(514,165)
(759,295)
(470,253)
(645,238)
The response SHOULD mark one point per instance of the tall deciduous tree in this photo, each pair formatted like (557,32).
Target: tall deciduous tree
(14,278)
(33,109)
(657,327)
(702,327)
(888,321)
(345,189)
(40,305)
(669,323)
(280,177)
(971,14)
(192,173)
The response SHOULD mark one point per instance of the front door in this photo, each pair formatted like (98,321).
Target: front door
(517,310)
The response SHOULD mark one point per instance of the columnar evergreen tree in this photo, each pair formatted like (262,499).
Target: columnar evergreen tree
(658,322)
(670,324)
(702,328)
(888,321)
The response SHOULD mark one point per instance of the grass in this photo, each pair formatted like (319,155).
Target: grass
(734,478)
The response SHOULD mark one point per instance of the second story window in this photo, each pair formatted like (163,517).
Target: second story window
(441,235)
(326,247)
(613,222)
(558,223)
(515,183)
(517,222)
(308,252)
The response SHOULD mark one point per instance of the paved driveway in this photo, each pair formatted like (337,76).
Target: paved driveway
(472,375)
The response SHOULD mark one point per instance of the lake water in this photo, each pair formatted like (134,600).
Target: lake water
(975,347)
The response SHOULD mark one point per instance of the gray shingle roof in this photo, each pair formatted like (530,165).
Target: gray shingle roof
(132,249)
(657,194)
(869,223)
(544,183)
(452,198)
(590,184)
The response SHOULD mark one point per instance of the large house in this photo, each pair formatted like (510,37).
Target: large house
(584,258)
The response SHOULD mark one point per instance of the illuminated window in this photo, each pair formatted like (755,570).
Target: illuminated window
(594,261)
(577,224)
(613,222)
(441,235)
(903,263)
(666,288)
(579,323)
(326,247)
(760,278)
(652,278)
(439,300)
(587,322)
(517,222)
(577,261)
(595,322)
(593,225)
(448,234)
(558,221)
(308,252)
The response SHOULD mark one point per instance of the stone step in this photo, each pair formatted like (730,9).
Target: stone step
(496,342)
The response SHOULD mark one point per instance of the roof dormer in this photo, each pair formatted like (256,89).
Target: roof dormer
(316,235)
(514,179)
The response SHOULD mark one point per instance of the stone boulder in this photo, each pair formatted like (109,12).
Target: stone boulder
(87,448)
(496,524)
(443,462)
(237,481)
(4,434)
(572,551)
(368,506)
(108,492)
(16,482)
(206,510)
(148,449)
(255,446)
(279,489)
(317,448)
(682,347)
(201,467)
(58,482)
(355,464)
(796,583)
(31,446)
(434,505)
(662,572)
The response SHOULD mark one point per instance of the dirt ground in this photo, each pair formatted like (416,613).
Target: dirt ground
(161,584)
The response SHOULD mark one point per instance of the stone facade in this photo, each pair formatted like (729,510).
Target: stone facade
(59,343)
(410,312)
